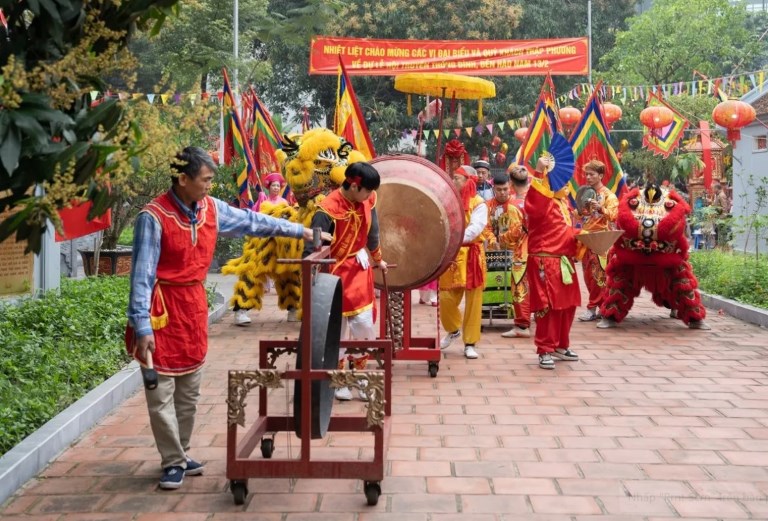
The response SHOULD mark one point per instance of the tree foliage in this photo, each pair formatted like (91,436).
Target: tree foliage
(52,140)
(675,37)
(198,42)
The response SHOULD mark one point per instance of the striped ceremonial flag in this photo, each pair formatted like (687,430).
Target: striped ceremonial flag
(266,139)
(545,122)
(663,141)
(234,133)
(591,140)
(349,122)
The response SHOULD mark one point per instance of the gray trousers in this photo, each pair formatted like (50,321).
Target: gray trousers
(172,407)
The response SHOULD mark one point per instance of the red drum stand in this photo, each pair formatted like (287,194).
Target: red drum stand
(395,324)
(313,397)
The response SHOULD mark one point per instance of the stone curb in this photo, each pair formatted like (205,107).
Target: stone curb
(744,312)
(28,458)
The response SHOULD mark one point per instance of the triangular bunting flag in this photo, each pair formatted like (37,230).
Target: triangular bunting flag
(164,98)
(151,98)
(94,95)
(137,95)
(469,131)
(489,126)
(457,131)
(501,126)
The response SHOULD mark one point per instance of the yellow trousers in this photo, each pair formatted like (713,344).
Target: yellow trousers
(450,315)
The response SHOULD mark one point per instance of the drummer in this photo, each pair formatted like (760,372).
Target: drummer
(599,214)
(506,230)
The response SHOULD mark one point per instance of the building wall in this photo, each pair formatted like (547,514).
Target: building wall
(750,159)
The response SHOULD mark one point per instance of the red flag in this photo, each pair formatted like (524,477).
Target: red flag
(349,122)
(75,223)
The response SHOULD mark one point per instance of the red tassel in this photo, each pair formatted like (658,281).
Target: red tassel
(734,134)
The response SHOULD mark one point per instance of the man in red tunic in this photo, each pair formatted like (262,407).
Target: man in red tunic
(552,279)
(349,213)
(173,243)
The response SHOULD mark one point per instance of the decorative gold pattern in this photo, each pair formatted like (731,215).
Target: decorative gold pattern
(372,382)
(240,383)
(274,353)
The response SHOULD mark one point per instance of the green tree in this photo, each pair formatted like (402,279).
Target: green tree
(675,37)
(194,46)
(55,147)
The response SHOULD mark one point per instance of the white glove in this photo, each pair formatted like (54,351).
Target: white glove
(362,259)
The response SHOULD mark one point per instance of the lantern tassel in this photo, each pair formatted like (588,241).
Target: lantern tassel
(480,110)
(408,106)
(734,134)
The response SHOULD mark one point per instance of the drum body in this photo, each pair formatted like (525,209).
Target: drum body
(498,279)
(421,220)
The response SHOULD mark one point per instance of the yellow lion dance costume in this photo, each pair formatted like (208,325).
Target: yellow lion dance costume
(313,165)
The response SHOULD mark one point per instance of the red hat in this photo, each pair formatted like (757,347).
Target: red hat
(274,177)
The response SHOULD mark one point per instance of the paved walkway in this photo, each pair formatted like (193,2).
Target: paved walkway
(655,423)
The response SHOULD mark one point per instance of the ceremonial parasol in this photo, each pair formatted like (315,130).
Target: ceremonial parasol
(442,85)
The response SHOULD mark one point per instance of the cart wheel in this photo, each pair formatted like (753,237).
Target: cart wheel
(267,447)
(239,490)
(372,492)
(433,368)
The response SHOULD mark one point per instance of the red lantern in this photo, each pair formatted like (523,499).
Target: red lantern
(521,134)
(656,117)
(501,159)
(569,116)
(733,115)
(612,113)
(495,142)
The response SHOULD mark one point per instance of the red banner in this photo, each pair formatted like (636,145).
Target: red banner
(367,57)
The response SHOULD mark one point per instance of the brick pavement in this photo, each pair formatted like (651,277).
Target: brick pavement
(655,423)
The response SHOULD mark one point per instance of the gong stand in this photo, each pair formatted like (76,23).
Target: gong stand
(310,384)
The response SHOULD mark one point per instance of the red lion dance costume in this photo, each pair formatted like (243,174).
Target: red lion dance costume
(652,254)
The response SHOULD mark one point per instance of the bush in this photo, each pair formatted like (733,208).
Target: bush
(739,277)
(57,348)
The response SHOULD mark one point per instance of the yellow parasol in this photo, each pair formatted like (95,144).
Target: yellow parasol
(445,85)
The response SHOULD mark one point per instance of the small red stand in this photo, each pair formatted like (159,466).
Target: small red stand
(241,465)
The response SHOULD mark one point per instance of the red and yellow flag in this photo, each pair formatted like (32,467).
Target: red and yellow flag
(349,122)
(235,144)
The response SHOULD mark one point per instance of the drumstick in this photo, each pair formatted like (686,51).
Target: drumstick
(149,374)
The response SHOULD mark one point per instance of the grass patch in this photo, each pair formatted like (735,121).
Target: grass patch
(126,237)
(732,275)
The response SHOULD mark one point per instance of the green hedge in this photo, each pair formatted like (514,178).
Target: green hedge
(55,349)
(732,275)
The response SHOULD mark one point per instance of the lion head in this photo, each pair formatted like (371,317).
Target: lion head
(314,163)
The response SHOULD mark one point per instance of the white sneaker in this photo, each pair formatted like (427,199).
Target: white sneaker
(343,394)
(293,318)
(469,352)
(242,318)
(447,339)
(517,332)
(361,392)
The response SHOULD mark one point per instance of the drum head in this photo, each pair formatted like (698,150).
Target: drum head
(421,221)
(583,195)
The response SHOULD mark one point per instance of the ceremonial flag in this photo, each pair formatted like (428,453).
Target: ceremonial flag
(266,139)
(75,222)
(349,122)
(545,122)
(663,141)
(235,138)
(305,123)
(591,140)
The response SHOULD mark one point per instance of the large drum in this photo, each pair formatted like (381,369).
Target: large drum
(421,220)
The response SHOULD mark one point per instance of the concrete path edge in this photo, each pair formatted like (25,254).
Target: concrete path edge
(745,312)
(35,452)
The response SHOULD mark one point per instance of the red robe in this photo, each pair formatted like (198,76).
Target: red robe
(550,237)
(178,298)
(352,222)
